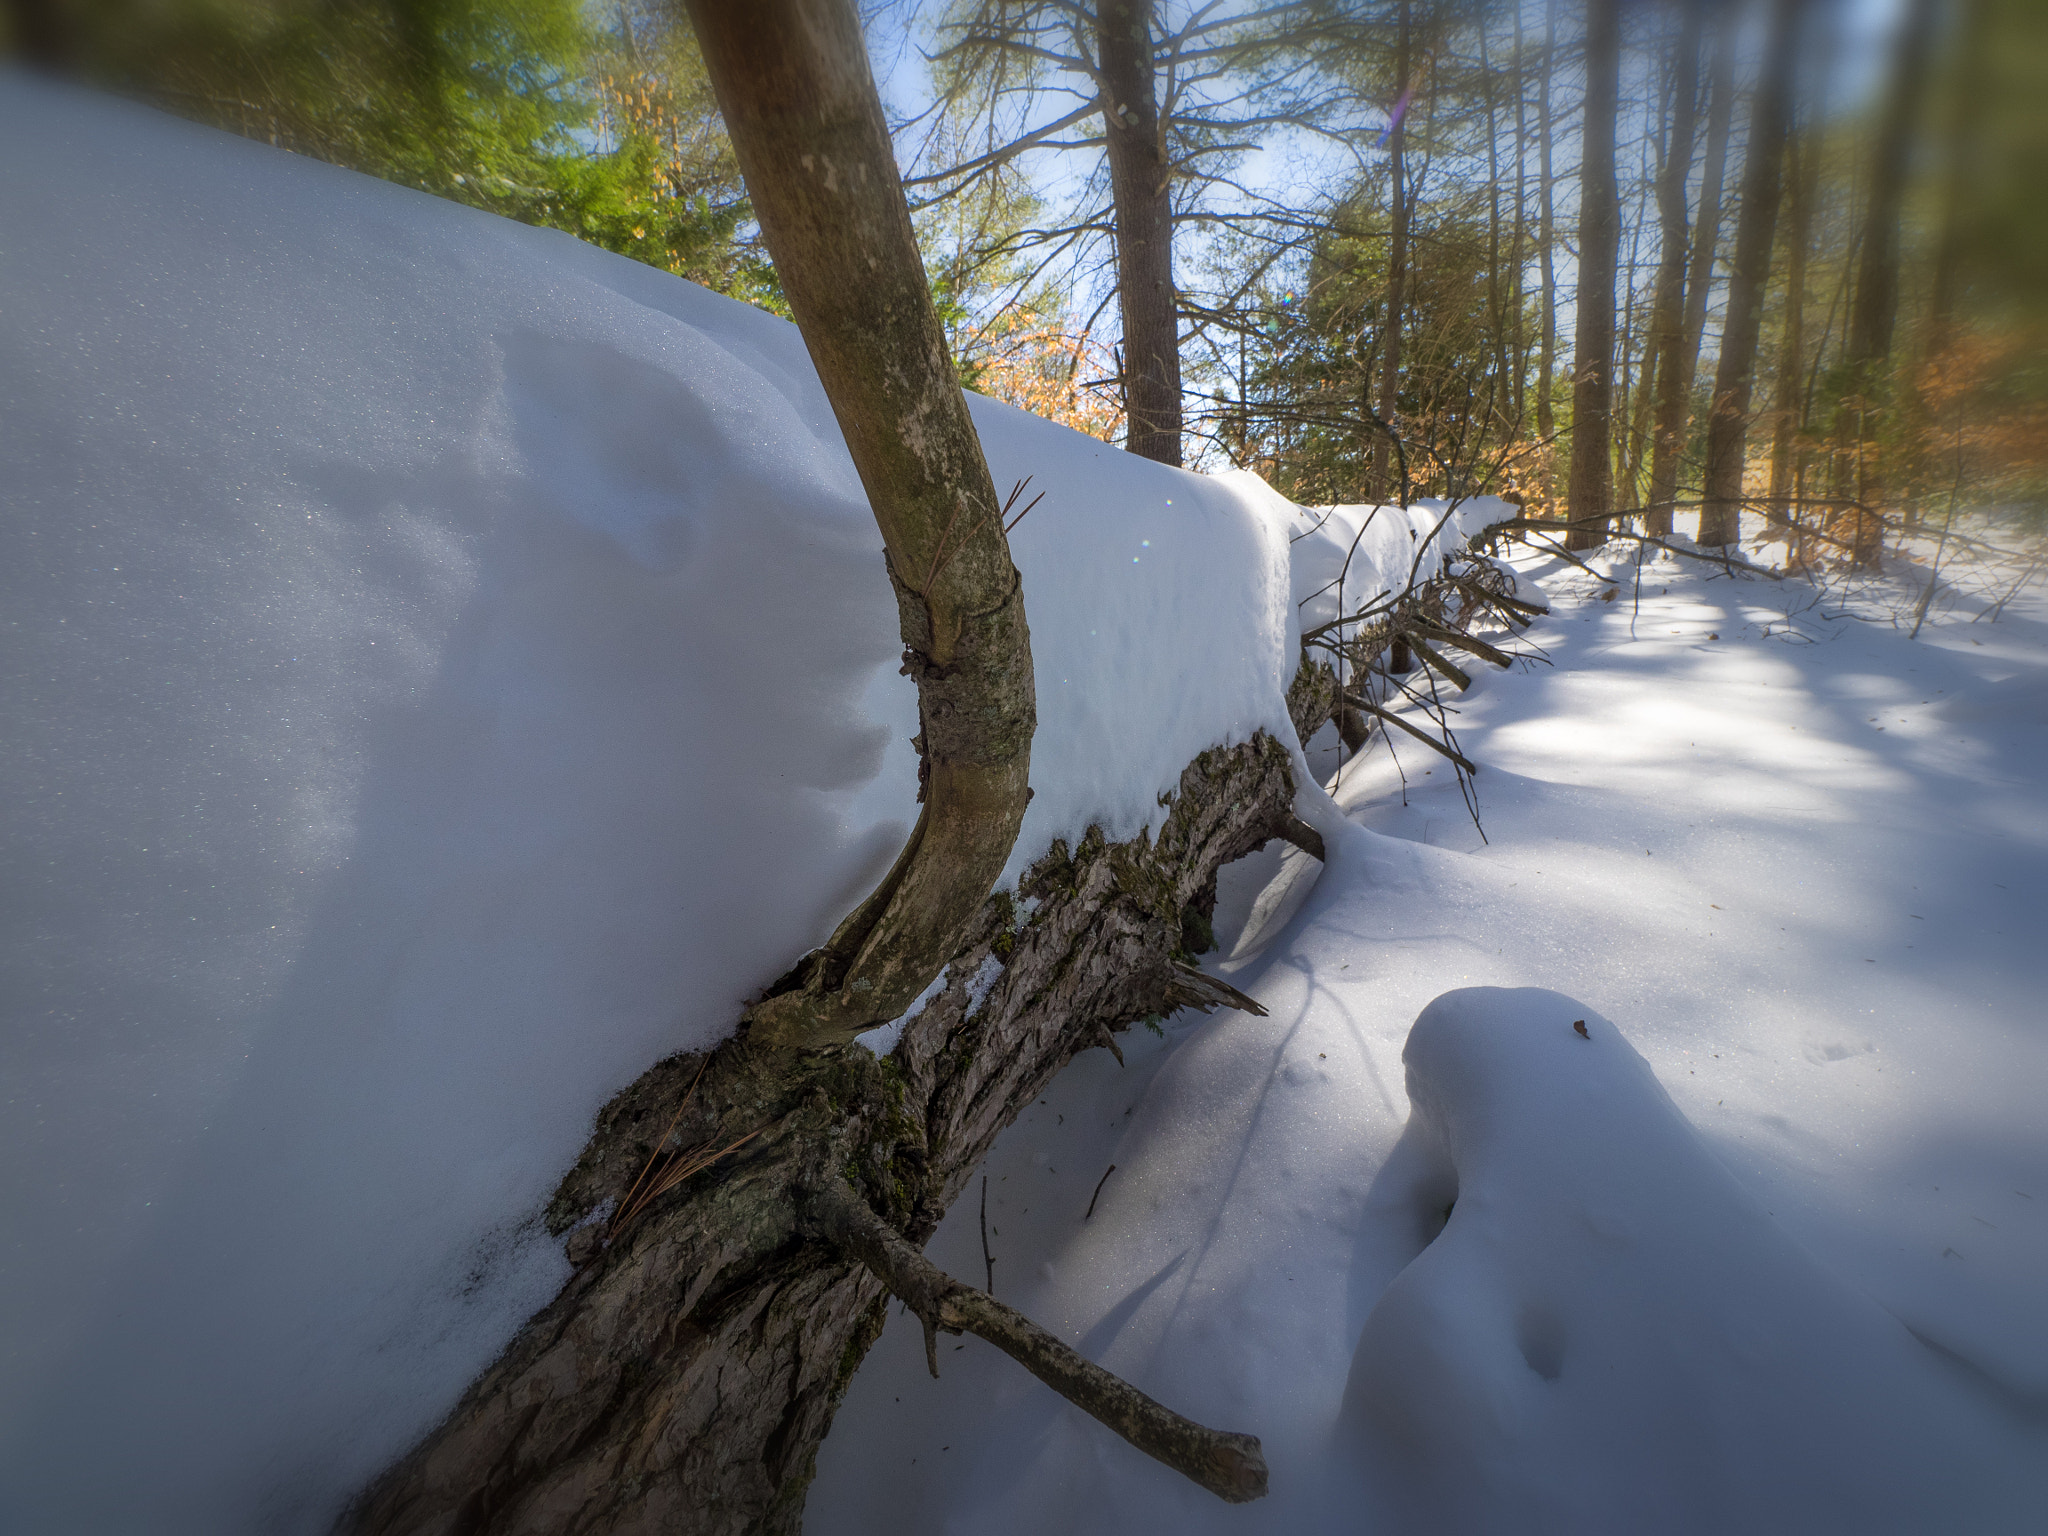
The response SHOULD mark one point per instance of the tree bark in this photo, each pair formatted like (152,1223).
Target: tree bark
(1499,394)
(684,1378)
(1965,146)
(1875,311)
(1140,179)
(1674,387)
(1667,324)
(1517,264)
(1873,314)
(792,81)
(1755,231)
(1388,482)
(1803,152)
(1546,241)
(1592,470)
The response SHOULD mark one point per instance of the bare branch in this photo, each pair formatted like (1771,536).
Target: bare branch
(1229,1465)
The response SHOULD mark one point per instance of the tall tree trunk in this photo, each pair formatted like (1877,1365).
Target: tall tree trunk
(1140,180)
(1633,361)
(1755,232)
(1965,145)
(1387,480)
(1667,323)
(1642,394)
(1499,395)
(1875,311)
(1546,240)
(1519,241)
(1803,151)
(1674,390)
(1591,486)
(1961,153)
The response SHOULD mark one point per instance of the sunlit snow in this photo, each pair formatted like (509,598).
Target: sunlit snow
(448,668)
(1764,1253)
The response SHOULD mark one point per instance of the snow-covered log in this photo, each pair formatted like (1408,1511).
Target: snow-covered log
(684,1377)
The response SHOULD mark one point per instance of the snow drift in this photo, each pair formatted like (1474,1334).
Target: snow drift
(1605,1332)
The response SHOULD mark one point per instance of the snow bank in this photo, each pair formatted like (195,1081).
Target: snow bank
(1610,1333)
(449,667)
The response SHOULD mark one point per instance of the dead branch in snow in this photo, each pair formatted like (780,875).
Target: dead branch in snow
(1229,1465)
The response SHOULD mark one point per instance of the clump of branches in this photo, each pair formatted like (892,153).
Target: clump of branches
(1395,650)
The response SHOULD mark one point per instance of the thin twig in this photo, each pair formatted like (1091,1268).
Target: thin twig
(1098,1190)
(988,1259)
(687,1165)
(942,556)
(662,1140)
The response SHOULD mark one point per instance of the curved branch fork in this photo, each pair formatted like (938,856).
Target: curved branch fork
(1231,1466)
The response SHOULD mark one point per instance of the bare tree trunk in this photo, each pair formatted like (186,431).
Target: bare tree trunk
(1140,178)
(1873,313)
(1546,240)
(1961,154)
(1674,390)
(1965,145)
(1633,360)
(1386,477)
(1500,394)
(1756,230)
(1591,488)
(1668,313)
(1518,244)
(1803,150)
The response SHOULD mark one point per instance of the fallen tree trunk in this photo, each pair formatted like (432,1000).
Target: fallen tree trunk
(684,1378)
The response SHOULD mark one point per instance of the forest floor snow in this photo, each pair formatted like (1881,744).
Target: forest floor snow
(1763,1251)
(449,667)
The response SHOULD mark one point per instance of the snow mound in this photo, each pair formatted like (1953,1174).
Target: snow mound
(1349,554)
(2021,699)
(1606,1298)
